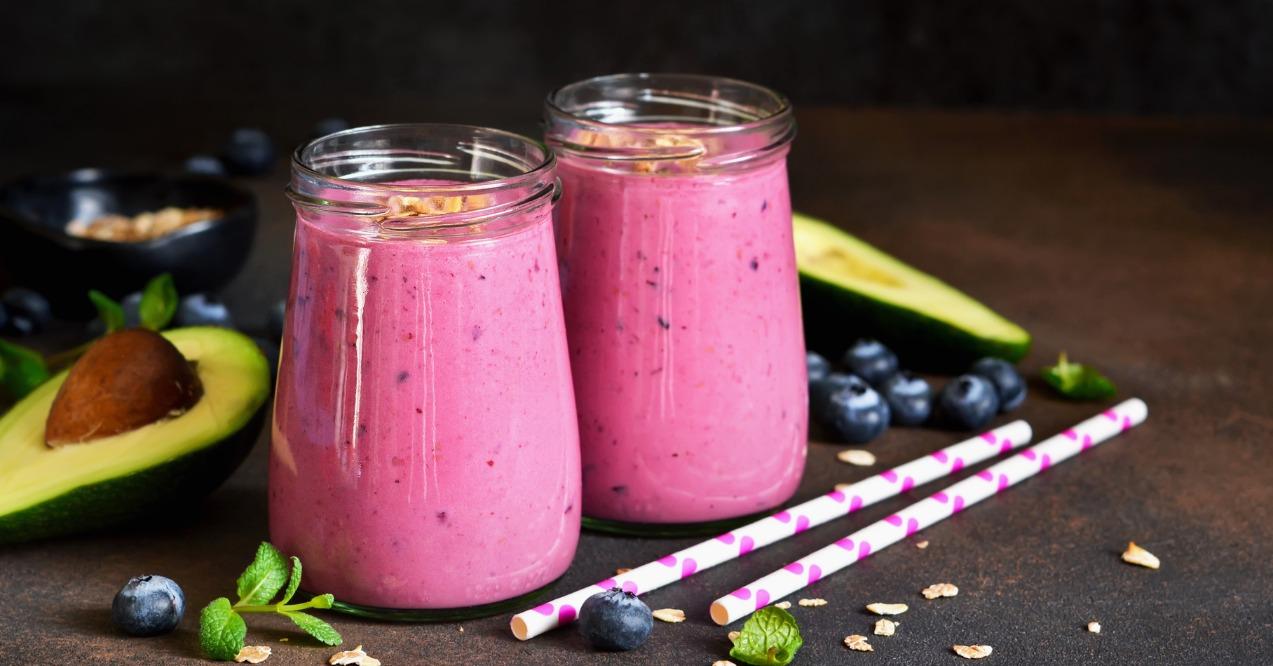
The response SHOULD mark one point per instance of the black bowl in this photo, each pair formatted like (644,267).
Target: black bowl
(36,251)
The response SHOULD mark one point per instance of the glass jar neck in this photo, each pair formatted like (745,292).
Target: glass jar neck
(423,180)
(668,123)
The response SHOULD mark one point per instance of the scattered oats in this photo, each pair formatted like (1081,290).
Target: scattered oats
(885,627)
(284,639)
(461,630)
(733,635)
(253,654)
(669,615)
(921,544)
(784,605)
(723,662)
(1094,627)
(973,651)
(621,570)
(939,590)
(843,486)
(887,609)
(1139,556)
(354,657)
(858,642)
(808,603)
(856,457)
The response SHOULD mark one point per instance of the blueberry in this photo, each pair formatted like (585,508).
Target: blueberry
(968,402)
(250,152)
(132,309)
(856,412)
(817,366)
(615,620)
(202,310)
(148,606)
(28,311)
(206,165)
(1009,385)
(328,126)
(278,316)
(871,361)
(821,389)
(909,398)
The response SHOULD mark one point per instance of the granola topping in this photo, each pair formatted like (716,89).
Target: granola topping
(885,627)
(973,651)
(253,654)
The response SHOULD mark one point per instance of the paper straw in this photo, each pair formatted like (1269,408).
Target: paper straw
(921,514)
(761,533)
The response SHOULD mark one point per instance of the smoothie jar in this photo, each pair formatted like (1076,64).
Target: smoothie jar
(425,458)
(681,299)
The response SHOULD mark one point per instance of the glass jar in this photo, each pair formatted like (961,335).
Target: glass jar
(424,460)
(681,297)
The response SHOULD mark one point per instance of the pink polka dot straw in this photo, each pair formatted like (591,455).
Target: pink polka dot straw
(761,533)
(873,538)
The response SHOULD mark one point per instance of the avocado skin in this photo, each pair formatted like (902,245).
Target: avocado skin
(111,503)
(834,317)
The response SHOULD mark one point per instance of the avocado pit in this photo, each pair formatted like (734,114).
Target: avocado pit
(126,380)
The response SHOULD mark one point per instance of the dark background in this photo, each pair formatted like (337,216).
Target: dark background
(1105,56)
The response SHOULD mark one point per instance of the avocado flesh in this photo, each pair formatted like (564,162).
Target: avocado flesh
(46,491)
(851,289)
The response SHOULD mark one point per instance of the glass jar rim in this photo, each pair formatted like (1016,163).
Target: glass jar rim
(780,115)
(715,122)
(371,199)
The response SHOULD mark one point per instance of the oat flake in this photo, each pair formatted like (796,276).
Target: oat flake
(1139,556)
(733,635)
(783,605)
(1094,627)
(858,642)
(939,590)
(887,609)
(723,662)
(621,570)
(253,654)
(857,457)
(921,544)
(973,651)
(354,657)
(672,615)
(811,603)
(885,627)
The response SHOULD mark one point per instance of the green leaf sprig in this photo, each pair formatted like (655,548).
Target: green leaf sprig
(770,637)
(222,629)
(1077,381)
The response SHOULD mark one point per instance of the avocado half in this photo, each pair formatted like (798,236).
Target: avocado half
(81,487)
(850,289)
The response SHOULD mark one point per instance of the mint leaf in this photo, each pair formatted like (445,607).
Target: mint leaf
(263,578)
(293,581)
(315,627)
(21,369)
(770,637)
(110,312)
(1077,381)
(221,630)
(323,601)
(158,303)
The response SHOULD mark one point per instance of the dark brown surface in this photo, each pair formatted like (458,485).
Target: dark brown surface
(1143,246)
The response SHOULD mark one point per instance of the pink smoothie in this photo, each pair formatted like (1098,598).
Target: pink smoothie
(425,450)
(683,314)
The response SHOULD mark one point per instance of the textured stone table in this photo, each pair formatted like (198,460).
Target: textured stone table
(1144,246)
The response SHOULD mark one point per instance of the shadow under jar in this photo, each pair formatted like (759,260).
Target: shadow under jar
(681,298)
(425,460)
